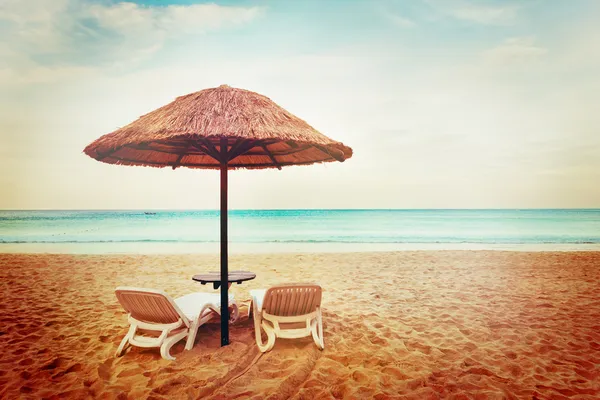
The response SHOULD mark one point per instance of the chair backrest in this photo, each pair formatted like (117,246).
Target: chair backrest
(149,305)
(292,299)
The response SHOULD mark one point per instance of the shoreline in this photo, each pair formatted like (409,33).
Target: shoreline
(280,248)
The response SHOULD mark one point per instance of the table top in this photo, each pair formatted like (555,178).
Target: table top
(214,277)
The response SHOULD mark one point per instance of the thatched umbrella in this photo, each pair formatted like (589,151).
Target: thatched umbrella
(220,128)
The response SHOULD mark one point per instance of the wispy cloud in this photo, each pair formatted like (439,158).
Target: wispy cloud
(514,51)
(74,34)
(130,18)
(486,15)
(504,14)
(400,21)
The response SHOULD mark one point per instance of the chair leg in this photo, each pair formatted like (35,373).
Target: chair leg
(257,333)
(165,348)
(250,309)
(123,346)
(317,330)
(263,347)
(270,339)
(125,342)
(192,334)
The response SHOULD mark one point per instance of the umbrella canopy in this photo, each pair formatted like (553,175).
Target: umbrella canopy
(187,133)
(221,128)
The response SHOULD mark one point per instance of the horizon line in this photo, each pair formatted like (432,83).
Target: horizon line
(307,209)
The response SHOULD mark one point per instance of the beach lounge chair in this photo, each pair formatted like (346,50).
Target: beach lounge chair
(175,319)
(287,311)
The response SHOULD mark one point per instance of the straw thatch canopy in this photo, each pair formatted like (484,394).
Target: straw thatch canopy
(192,132)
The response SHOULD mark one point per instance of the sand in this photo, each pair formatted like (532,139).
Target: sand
(406,325)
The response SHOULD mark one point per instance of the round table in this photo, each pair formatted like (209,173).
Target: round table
(215,277)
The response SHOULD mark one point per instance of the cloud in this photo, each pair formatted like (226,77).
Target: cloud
(64,34)
(400,21)
(129,18)
(486,15)
(476,13)
(514,51)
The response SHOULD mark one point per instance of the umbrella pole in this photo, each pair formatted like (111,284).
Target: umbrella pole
(224,267)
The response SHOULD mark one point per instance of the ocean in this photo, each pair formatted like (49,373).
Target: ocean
(197,231)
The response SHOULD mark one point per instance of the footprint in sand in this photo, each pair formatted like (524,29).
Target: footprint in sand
(170,384)
(74,368)
(416,346)
(130,372)
(25,375)
(57,362)
(396,373)
(104,371)
(360,376)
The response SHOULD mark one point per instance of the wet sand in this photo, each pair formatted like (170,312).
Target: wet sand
(405,325)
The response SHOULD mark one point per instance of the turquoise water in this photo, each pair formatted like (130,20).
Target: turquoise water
(273,230)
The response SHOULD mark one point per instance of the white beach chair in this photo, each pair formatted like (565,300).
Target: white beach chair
(154,310)
(280,309)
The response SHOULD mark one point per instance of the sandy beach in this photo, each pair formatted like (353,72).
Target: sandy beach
(404,325)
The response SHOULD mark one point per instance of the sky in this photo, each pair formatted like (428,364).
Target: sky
(446,103)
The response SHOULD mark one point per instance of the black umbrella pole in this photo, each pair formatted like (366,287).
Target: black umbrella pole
(224,267)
